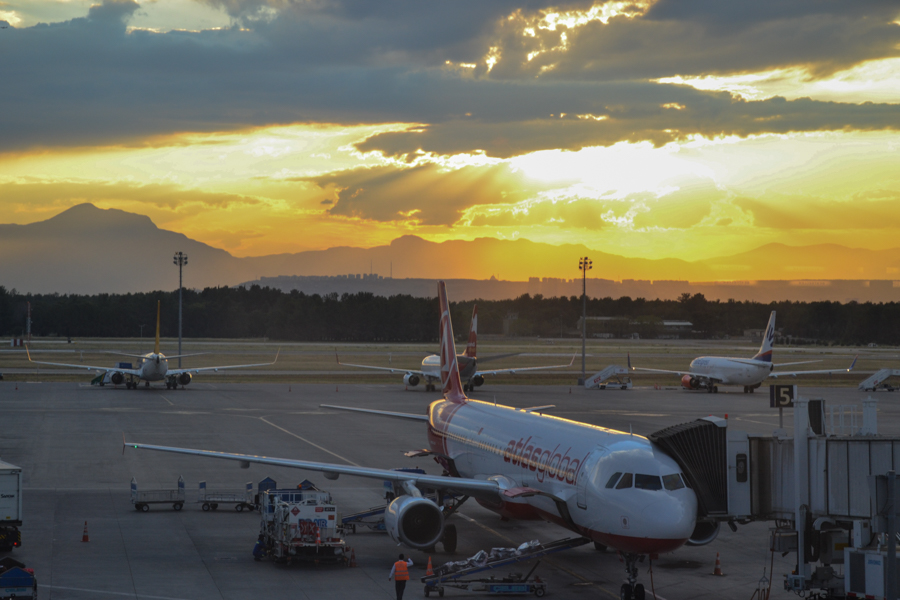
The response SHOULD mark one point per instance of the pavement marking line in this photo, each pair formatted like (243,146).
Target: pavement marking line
(167,400)
(129,595)
(545,559)
(303,439)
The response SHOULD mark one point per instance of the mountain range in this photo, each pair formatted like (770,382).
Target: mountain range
(88,250)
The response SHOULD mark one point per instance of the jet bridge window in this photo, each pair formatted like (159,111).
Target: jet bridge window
(612,480)
(647,482)
(625,482)
(673,481)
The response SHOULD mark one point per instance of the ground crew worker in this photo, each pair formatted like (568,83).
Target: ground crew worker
(400,574)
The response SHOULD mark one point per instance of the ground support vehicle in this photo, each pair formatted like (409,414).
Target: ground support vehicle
(142,499)
(372,518)
(16,581)
(459,574)
(241,499)
(302,524)
(10,506)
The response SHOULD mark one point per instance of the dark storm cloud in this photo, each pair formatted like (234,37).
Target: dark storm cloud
(425,193)
(88,81)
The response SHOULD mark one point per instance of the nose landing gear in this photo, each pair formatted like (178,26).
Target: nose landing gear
(632,590)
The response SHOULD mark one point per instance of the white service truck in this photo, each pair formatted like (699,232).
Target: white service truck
(10,506)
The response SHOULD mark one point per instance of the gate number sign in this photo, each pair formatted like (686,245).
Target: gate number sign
(781,396)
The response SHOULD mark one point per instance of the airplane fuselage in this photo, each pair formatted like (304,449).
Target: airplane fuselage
(154,367)
(431,366)
(566,467)
(728,371)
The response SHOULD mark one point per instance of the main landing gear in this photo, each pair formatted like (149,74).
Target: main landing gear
(712,389)
(632,590)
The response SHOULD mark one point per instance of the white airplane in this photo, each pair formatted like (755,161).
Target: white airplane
(711,371)
(153,366)
(617,489)
(468,365)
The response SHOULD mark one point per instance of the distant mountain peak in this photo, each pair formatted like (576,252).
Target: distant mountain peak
(87,215)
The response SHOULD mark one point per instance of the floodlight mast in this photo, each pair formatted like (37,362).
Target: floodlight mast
(181,260)
(585,264)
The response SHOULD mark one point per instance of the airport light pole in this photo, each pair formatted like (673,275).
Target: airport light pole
(585,264)
(180,259)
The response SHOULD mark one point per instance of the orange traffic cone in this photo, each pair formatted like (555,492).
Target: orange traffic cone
(84,536)
(429,571)
(353,558)
(318,539)
(718,569)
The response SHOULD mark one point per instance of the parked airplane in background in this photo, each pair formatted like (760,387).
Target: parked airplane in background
(468,367)
(711,371)
(615,488)
(153,366)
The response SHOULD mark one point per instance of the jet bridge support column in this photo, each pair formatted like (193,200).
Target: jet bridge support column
(801,490)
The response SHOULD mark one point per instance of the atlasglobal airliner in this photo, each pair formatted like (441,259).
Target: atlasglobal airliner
(617,489)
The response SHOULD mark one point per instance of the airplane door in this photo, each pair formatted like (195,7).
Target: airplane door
(587,474)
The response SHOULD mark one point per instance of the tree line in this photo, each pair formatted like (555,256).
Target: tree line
(262,312)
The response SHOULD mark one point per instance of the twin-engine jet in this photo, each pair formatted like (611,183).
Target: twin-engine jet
(617,489)
(709,372)
(153,366)
(467,361)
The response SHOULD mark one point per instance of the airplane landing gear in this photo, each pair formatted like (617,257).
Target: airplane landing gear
(712,389)
(632,590)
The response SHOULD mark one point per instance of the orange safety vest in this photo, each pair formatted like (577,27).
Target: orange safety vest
(401,573)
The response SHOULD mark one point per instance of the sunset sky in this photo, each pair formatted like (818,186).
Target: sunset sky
(675,128)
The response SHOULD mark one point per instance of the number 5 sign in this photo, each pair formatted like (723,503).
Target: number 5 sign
(782,396)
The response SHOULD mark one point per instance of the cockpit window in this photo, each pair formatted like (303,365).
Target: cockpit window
(625,482)
(612,480)
(647,482)
(673,481)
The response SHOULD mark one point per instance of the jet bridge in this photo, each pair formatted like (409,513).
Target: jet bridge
(814,486)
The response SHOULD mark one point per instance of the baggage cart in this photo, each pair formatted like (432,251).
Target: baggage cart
(16,581)
(241,499)
(142,499)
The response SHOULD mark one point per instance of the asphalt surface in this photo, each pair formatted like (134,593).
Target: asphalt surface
(68,439)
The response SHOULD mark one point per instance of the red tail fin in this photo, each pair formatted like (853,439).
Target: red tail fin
(473,334)
(452,387)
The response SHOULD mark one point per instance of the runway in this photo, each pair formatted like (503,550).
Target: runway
(68,439)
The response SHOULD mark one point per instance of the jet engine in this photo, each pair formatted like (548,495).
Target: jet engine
(690,382)
(704,533)
(411,379)
(184,378)
(415,522)
(478,380)
(117,378)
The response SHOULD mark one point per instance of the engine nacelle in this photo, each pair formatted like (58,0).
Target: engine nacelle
(414,522)
(478,380)
(690,382)
(411,379)
(184,378)
(117,378)
(704,533)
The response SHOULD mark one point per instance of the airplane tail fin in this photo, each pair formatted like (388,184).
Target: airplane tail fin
(473,334)
(156,346)
(765,349)
(452,387)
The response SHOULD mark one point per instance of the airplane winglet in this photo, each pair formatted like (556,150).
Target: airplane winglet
(630,368)
(27,353)
(853,364)
(123,443)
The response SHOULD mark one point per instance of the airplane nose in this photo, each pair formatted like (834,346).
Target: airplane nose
(672,517)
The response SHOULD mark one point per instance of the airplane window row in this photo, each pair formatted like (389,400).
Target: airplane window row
(639,481)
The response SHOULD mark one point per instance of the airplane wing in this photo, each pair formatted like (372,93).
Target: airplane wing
(679,373)
(388,369)
(201,369)
(474,487)
(776,374)
(135,372)
(514,370)
(383,413)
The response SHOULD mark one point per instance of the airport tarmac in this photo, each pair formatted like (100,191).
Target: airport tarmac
(68,439)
